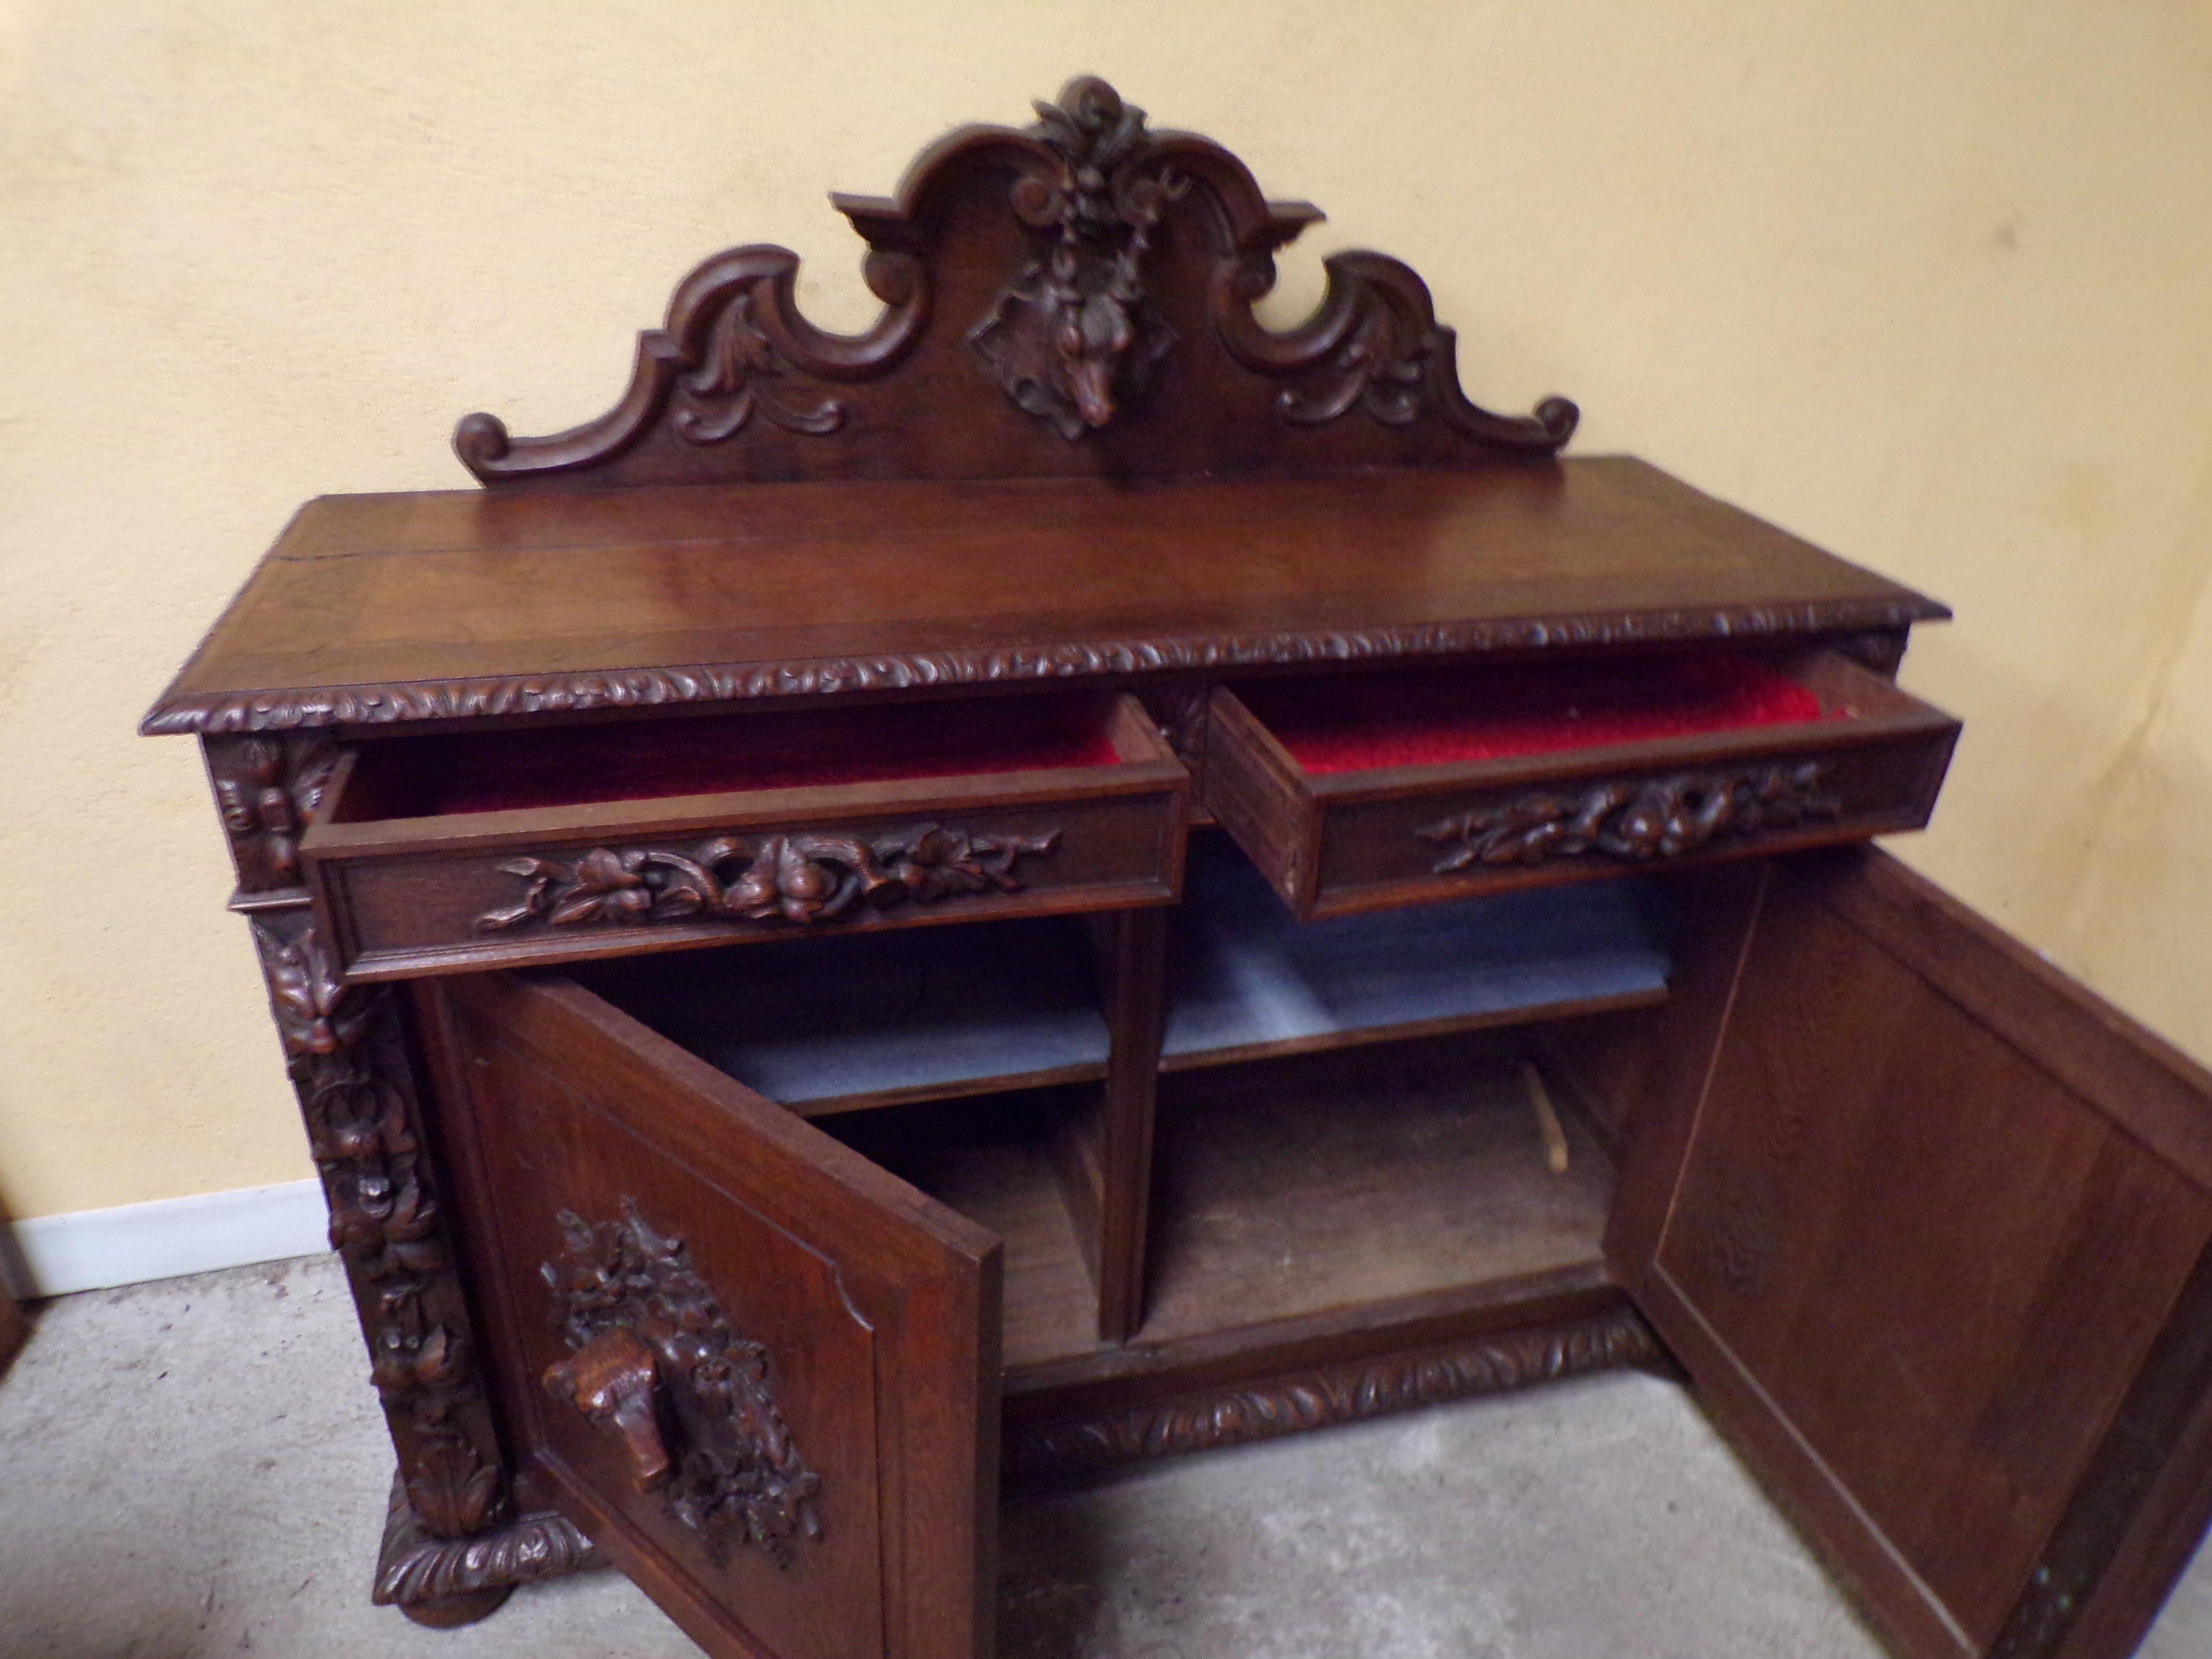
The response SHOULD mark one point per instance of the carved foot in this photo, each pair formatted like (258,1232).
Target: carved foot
(444,1582)
(452,1612)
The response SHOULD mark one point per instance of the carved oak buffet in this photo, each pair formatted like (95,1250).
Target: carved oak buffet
(779,1024)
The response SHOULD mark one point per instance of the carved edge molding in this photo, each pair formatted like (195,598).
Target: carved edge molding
(1064,329)
(346,1056)
(414,1567)
(1634,819)
(799,877)
(279,710)
(1328,1394)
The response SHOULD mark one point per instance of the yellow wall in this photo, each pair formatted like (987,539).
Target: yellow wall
(1925,280)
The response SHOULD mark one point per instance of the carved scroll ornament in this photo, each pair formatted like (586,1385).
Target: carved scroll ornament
(801,879)
(1658,818)
(1076,328)
(656,1363)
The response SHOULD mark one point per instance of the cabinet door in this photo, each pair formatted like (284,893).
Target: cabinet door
(759,1373)
(1926,1224)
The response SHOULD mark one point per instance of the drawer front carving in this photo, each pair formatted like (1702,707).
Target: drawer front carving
(1410,829)
(803,879)
(543,899)
(1634,820)
(654,1363)
(1418,846)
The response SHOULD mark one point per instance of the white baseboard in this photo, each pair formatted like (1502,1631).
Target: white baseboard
(92,1249)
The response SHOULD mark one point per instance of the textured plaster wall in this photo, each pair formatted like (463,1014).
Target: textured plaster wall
(1923,280)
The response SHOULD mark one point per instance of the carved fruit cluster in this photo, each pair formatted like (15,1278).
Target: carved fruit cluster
(797,878)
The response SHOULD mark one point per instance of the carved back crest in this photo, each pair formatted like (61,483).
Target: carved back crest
(1071,298)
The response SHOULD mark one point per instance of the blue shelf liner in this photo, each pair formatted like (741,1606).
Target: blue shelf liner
(818,1019)
(1242,971)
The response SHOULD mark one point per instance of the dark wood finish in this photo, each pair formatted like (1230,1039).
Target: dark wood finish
(1270,1404)
(347,1056)
(872,1324)
(1355,840)
(376,610)
(1092,281)
(1931,1248)
(449,892)
(445,1582)
(1926,1224)
(1131,961)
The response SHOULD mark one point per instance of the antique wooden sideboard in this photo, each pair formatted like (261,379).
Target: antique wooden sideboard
(1022,886)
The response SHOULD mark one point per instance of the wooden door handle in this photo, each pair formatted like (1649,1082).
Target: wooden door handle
(612,1380)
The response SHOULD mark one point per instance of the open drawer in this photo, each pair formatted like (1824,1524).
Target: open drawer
(1354,794)
(445,853)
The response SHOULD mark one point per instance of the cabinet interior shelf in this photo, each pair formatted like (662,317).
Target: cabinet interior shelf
(854,1021)
(1285,1189)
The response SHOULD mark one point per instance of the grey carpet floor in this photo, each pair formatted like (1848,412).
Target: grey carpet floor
(196,1467)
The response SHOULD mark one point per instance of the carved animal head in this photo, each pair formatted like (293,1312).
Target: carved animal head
(610,1380)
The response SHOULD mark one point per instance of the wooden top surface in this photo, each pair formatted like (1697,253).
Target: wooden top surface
(464,604)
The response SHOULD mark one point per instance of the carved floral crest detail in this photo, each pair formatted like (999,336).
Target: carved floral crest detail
(1075,328)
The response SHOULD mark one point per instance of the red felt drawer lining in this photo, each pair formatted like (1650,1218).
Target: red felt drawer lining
(496,772)
(1429,716)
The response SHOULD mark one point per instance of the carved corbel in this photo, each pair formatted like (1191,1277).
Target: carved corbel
(267,787)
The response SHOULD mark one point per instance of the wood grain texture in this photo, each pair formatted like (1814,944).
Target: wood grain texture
(1892,1216)
(375,610)
(554,1101)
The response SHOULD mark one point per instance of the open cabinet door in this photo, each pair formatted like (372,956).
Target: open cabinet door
(1926,1224)
(759,1373)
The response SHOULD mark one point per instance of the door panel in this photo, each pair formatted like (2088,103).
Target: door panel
(757,1370)
(1919,1254)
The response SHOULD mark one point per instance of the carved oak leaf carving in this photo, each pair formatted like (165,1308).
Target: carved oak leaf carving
(801,879)
(1656,818)
(347,1064)
(415,1565)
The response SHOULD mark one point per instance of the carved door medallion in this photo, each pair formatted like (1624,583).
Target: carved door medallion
(656,1362)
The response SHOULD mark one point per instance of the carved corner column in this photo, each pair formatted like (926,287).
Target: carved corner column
(453,1550)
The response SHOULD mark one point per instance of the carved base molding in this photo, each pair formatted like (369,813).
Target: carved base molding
(1327,1395)
(444,1582)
